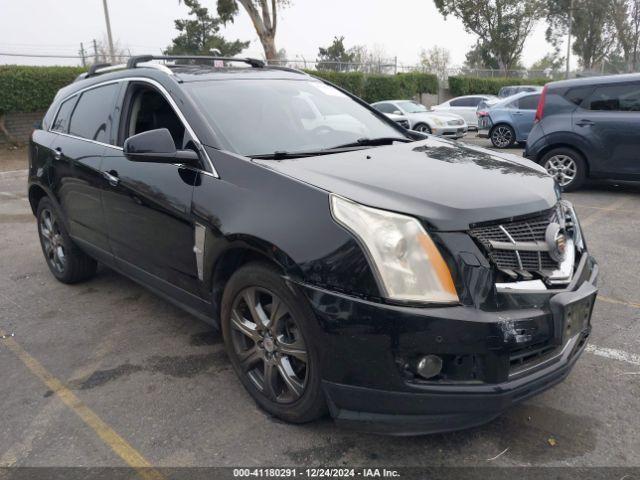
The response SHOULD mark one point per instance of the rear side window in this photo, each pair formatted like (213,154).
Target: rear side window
(61,123)
(466,102)
(616,98)
(93,116)
(529,102)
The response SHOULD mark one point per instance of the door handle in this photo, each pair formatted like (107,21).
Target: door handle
(57,153)
(517,113)
(585,123)
(112,177)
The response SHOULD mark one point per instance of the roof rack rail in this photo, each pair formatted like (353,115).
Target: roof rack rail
(93,69)
(288,69)
(134,61)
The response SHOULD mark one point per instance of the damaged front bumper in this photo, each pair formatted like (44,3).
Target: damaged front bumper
(491,359)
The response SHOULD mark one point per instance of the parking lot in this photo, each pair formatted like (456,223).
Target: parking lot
(107,374)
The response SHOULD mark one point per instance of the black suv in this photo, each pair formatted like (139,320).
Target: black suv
(588,128)
(404,283)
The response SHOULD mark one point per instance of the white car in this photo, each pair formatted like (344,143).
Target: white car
(399,119)
(466,107)
(422,120)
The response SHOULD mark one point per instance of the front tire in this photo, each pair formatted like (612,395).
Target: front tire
(422,128)
(502,136)
(567,167)
(66,261)
(267,332)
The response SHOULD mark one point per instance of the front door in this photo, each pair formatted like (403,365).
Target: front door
(147,205)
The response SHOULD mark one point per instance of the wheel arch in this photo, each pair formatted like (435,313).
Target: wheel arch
(241,251)
(36,193)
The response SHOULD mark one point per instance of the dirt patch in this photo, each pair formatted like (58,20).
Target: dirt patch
(13,158)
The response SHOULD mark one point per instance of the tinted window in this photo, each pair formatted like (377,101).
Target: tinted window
(529,102)
(386,107)
(466,102)
(623,98)
(61,123)
(92,117)
(577,95)
(264,116)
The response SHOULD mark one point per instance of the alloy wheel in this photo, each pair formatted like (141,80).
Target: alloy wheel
(502,136)
(268,345)
(562,168)
(422,128)
(52,241)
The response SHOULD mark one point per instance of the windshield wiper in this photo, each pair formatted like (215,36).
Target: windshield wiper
(371,142)
(347,147)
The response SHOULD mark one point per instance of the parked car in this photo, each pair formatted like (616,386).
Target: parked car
(425,121)
(401,282)
(400,120)
(510,90)
(588,128)
(465,106)
(509,120)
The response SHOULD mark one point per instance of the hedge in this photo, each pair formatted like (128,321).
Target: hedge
(373,88)
(29,89)
(460,85)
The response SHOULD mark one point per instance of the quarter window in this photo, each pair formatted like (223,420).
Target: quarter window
(386,107)
(61,123)
(93,116)
(621,98)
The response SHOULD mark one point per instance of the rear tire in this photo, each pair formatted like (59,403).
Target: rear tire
(502,136)
(567,167)
(66,261)
(268,335)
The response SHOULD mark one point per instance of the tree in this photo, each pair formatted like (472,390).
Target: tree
(335,56)
(436,60)
(480,58)
(551,63)
(593,29)
(502,26)
(102,54)
(264,16)
(199,35)
(626,19)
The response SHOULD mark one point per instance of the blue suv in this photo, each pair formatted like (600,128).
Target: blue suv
(588,128)
(508,121)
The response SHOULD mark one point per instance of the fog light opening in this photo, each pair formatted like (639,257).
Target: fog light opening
(429,366)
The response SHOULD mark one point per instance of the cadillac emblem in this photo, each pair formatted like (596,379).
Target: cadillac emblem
(556,241)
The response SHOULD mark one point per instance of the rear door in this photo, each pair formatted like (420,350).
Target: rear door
(609,118)
(524,114)
(147,204)
(83,128)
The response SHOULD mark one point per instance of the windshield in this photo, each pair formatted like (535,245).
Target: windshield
(258,117)
(412,107)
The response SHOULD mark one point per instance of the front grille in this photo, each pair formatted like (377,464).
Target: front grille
(530,230)
(530,355)
(455,122)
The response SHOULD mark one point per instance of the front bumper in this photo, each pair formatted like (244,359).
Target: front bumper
(363,341)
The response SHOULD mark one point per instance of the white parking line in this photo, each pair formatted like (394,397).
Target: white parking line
(614,354)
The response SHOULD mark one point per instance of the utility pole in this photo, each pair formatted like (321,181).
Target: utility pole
(569,39)
(109,37)
(95,51)
(84,61)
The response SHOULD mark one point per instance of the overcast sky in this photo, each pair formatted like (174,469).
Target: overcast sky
(400,27)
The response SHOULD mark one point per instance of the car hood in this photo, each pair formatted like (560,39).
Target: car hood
(449,184)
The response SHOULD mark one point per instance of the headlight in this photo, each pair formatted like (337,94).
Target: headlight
(438,122)
(405,259)
(573,224)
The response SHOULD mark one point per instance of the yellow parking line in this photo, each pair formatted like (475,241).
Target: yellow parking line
(118,444)
(617,302)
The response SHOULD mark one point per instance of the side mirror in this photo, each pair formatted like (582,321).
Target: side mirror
(397,112)
(157,146)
